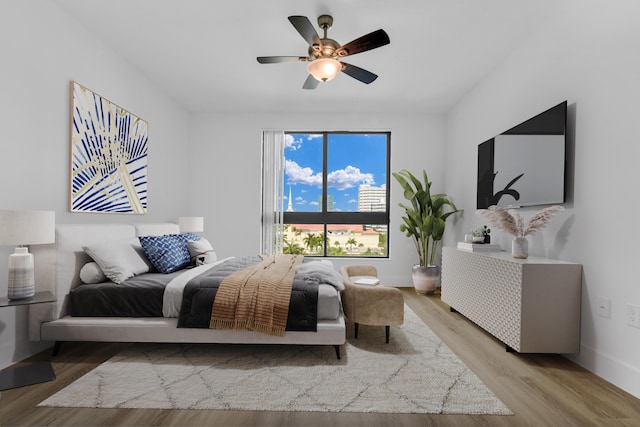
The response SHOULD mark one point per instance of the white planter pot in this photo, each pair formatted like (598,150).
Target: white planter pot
(425,279)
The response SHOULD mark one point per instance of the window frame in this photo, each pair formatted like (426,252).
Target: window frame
(329,218)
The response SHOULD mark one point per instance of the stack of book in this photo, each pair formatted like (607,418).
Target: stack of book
(478,247)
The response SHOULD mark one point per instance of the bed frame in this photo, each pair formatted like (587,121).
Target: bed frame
(58,270)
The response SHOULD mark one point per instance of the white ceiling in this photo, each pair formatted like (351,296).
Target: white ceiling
(203,52)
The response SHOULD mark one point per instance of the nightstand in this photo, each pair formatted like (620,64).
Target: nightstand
(33,373)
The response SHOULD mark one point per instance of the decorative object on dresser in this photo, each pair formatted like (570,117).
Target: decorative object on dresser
(481,235)
(478,247)
(372,303)
(23,227)
(424,222)
(532,305)
(108,156)
(512,222)
(486,232)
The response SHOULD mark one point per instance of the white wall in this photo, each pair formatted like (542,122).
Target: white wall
(226,171)
(588,55)
(42,50)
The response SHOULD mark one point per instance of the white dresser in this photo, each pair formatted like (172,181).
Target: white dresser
(532,305)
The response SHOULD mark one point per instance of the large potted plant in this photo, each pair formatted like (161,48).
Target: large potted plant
(424,222)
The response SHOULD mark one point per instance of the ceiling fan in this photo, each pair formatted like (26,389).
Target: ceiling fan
(325,53)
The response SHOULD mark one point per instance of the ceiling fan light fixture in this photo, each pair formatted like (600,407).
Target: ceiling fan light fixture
(324,69)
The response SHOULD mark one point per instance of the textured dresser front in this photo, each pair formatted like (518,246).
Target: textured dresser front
(486,290)
(532,305)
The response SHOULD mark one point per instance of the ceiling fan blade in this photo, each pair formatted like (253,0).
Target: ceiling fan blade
(305,28)
(310,83)
(358,73)
(367,42)
(281,59)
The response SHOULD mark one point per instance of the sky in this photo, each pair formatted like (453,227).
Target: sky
(353,159)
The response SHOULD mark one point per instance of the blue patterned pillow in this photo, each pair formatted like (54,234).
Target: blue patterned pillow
(168,253)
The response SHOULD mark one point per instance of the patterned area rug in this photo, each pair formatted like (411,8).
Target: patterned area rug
(414,373)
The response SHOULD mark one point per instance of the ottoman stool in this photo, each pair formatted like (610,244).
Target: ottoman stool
(370,305)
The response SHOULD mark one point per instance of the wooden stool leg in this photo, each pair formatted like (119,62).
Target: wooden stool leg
(356,329)
(386,331)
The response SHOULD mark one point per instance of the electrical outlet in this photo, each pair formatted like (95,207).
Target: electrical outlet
(633,315)
(604,307)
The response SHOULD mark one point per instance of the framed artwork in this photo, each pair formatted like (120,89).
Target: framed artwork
(108,156)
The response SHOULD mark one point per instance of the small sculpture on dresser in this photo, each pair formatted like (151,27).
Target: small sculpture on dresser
(510,221)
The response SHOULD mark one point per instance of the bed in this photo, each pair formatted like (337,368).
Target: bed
(59,267)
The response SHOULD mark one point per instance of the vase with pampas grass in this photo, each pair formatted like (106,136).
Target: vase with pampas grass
(510,221)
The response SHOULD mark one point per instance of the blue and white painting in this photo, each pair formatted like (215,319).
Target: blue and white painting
(108,156)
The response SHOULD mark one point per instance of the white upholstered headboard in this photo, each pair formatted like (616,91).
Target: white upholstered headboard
(57,266)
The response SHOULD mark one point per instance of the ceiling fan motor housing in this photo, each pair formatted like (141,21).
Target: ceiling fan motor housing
(325,50)
(325,21)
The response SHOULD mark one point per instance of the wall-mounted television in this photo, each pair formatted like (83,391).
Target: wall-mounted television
(526,165)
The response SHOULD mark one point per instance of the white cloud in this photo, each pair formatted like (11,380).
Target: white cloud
(299,175)
(291,143)
(349,177)
(294,144)
(352,201)
(341,179)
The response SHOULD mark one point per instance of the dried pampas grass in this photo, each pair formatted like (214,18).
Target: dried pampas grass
(510,221)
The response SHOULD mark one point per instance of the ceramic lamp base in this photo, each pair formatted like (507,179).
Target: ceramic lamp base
(21,279)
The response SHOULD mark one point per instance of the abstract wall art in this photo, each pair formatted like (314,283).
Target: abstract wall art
(108,156)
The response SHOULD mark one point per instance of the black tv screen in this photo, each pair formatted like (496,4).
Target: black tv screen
(525,166)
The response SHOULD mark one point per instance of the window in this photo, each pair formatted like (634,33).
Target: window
(335,194)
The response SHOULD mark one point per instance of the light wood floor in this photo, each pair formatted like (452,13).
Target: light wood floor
(541,390)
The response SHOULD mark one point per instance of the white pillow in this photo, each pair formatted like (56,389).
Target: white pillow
(202,251)
(120,259)
(91,273)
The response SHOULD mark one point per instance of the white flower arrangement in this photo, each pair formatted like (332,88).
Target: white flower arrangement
(510,221)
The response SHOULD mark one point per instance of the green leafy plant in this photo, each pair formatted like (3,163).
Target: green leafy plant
(481,232)
(424,220)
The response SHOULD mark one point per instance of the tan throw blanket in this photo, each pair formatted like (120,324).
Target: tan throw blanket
(256,298)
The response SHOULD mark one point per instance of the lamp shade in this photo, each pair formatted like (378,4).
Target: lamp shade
(191,224)
(324,69)
(27,227)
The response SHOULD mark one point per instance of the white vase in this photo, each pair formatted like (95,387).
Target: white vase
(425,279)
(520,247)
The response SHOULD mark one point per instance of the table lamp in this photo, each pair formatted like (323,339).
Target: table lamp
(191,224)
(24,228)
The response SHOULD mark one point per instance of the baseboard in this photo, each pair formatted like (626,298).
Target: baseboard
(621,374)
